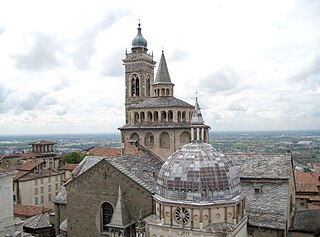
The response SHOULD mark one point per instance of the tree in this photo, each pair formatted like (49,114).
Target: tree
(72,157)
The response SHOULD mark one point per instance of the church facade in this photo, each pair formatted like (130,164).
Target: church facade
(169,181)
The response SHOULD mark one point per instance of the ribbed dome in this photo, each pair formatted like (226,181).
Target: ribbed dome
(139,41)
(197,172)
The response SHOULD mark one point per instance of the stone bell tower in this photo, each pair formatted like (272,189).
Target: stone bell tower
(139,72)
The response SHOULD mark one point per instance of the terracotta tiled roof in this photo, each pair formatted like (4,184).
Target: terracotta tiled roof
(43,142)
(20,174)
(28,155)
(28,210)
(69,167)
(313,206)
(7,168)
(104,151)
(30,165)
(307,181)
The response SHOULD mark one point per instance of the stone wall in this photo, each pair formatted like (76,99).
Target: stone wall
(97,185)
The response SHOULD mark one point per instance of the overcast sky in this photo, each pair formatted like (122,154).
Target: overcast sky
(255,64)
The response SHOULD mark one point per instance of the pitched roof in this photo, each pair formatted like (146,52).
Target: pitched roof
(28,155)
(69,166)
(307,181)
(28,210)
(86,164)
(267,208)
(30,165)
(263,166)
(160,102)
(39,221)
(61,198)
(306,220)
(141,168)
(104,151)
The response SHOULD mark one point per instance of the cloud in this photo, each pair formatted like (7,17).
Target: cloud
(4,93)
(179,55)
(41,53)
(32,100)
(225,79)
(84,46)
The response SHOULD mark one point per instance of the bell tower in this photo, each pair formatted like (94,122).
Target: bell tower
(139,72)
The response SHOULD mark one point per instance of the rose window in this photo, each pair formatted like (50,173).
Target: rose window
(182,215)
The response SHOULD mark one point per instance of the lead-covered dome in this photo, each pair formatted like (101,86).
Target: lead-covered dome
(139,41)
(197,172)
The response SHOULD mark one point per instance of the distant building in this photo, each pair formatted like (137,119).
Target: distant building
(35,185)
(8,225)
(307,190)
(26,211)
(102,151)
(40,150)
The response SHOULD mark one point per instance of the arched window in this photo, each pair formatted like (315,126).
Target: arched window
(163,116)
(149,139)
(156,116)
(183,116)
(148,87)
(142,117)
(164,140)
(136,117)
(149,117)
(170,116)
(107,212)
(179,116)
(163,92)
(135,85)
(185,138)
(167,92)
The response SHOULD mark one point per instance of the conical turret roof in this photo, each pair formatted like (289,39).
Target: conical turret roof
(120,217)
(163,76)
(197,118)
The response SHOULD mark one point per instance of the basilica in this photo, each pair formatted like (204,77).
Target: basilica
(169,181)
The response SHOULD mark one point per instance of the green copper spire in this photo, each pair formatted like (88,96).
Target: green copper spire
(163,76)
(139,41)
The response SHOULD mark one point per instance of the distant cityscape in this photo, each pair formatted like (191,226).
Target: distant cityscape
(303,144)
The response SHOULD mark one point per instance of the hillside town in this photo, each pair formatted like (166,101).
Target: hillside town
(166,179)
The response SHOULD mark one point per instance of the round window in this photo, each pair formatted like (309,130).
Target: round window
(182,215)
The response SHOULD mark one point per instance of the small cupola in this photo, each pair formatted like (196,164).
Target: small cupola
(139,42)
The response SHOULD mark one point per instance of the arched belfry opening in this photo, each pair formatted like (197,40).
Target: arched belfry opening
(135,85)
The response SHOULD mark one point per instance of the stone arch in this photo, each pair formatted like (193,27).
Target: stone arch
(149,139)
(164,140)
(179,116)
(148,86)
(185,138)
(163,117)
(167,92)
(163,92)
(136,117)
(135,85)
(106,215)
(170,116)
(142,117)
(156,116)
(149,116)
(183,116)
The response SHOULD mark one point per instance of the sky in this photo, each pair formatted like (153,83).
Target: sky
(254,64)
